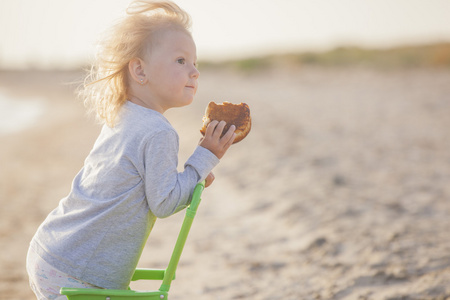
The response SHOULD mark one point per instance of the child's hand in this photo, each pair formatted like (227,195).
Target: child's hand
(209,179)
(212,140)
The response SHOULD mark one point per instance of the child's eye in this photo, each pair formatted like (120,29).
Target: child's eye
(181,61)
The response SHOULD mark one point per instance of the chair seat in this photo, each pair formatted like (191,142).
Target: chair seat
(106,294)
(103,294)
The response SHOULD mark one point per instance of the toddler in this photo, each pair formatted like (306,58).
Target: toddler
(95,236)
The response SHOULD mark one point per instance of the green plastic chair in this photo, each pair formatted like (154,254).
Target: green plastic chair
(166,275)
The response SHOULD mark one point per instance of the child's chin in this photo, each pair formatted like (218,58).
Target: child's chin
(189,101)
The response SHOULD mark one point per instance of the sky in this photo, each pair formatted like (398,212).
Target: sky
(63,33)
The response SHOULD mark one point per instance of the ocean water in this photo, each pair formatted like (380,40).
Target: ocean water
(17,114)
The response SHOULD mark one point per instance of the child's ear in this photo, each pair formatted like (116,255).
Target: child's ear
(137,72)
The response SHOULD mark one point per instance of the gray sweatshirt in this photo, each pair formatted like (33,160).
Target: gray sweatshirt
(130,178)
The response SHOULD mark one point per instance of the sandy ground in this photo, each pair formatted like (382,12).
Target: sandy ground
(341,190)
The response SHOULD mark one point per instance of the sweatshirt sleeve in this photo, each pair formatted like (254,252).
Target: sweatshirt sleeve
(167,190)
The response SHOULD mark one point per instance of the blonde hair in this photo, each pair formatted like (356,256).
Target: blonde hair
(105,88)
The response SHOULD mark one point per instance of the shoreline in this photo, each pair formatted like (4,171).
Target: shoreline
(18,114)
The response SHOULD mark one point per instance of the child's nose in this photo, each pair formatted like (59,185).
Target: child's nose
(195,73)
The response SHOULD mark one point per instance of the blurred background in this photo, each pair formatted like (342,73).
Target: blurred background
(61,35)
(339,192)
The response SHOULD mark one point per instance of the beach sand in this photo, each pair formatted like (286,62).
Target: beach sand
(341,190)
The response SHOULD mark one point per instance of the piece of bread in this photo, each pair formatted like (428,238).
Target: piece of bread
(233,114)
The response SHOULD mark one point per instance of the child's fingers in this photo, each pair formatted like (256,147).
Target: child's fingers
(230,141)
(219,129)
(228,134)
(209,179)
(211,127)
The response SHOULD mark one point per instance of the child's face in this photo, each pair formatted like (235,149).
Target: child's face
(171,69)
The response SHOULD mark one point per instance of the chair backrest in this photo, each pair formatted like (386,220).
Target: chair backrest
(182,236)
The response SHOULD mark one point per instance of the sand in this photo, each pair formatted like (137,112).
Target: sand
(341,190)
